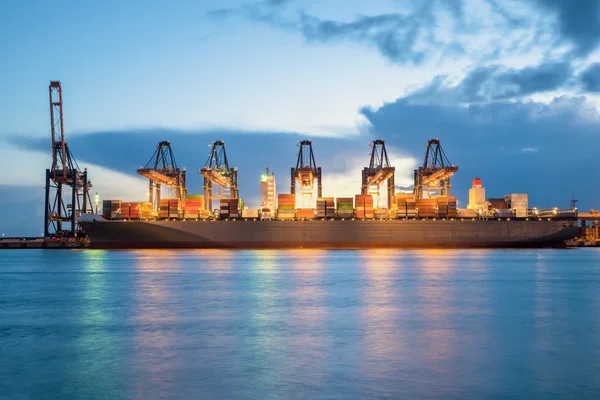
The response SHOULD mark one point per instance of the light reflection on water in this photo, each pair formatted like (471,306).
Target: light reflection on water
(300,324)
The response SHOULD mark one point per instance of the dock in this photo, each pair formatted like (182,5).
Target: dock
(43,243)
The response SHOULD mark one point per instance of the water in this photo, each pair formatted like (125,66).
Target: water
(300,324)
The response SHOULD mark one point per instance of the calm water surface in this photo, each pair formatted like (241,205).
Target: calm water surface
(300,324)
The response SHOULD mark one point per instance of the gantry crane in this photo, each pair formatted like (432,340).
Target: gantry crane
(162,169)
(216,171)
(306,170)
(435,173)
(378,172)
(65,173)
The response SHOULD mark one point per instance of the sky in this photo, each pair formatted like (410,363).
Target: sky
(511,88)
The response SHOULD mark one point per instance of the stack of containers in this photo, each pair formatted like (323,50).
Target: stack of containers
(411,207)
(133,210)
(345,207)
(163,209)
(234,208)
(286,203)
(305,213)
(369,210)
(125,210)
(194,204)
(427,208)
(452,210)
(169,208)
(518,203)
(442,206)
(321,208)
(401,199)
(224,208)
(111,209)
(175,208)
(364,206)
(329,207)
(325,207)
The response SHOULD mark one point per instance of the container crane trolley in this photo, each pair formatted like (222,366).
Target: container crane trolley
(162,169)
(378,172)
(216,171)
(435,173)
(306,170)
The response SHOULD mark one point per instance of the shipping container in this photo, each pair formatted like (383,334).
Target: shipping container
(111,209)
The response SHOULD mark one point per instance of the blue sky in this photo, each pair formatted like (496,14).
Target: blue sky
(510,87)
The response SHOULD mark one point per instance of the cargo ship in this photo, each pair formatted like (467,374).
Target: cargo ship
(426,218)
(326,234)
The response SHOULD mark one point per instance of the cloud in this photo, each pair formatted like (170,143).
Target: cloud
(422,31)
(496,82)
(578,22)
(487,139)
(402,38)
(590,78)
(394,35)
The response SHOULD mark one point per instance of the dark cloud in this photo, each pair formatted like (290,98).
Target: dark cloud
(590,78)
(488,140)
(394,35)
(578,22)
(496,82)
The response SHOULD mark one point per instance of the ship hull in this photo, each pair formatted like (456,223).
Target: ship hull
(318,234)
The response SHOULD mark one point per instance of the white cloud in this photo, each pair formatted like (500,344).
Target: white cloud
(27,168)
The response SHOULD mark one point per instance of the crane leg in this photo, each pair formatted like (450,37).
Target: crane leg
(85,193)
(73,204)
(391,192)
(158,196)
(59,206)
(292,182)
(47,211)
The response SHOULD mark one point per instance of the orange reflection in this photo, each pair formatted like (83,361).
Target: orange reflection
(380,309)
(307,317)
(435,267)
